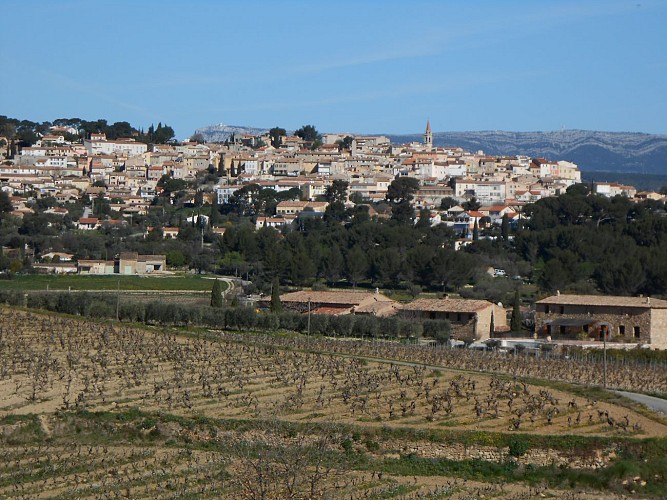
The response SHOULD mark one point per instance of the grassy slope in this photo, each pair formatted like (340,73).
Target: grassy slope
(77,282)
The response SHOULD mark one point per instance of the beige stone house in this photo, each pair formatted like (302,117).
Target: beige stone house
(289,207)
(641,320)
(470,319)
(126,263)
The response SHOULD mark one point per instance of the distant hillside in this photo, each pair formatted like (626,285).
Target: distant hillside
(591,150)
(221,132)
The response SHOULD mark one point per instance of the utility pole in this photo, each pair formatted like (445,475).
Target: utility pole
(604,374)
(118,300)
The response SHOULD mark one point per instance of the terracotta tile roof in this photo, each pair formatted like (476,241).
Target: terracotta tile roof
(331,311)
(150,258)
(332,297)
(289,203)
(605,300)
(475,213)
(377,308)
(446,305)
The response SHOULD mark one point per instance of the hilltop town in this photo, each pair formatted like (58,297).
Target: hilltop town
(130,174)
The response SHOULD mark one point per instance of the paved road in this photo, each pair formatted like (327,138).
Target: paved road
(653,403)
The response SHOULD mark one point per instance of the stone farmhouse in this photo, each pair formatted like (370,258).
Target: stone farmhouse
(126,263)
(470,319)
(641,320)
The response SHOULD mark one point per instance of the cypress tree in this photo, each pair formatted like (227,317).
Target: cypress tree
(505,228)
(216,294)
(276,305)
(515,321)
(475,231)
(215,213)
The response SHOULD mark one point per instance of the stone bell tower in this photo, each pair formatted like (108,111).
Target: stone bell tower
(428,136)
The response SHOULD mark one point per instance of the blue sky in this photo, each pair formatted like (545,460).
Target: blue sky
(349,66)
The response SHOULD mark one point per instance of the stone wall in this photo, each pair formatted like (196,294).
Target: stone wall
(535,457)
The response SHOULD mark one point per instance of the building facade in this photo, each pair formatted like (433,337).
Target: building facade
(470,319)
(641,320)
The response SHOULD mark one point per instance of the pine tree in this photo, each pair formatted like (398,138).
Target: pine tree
(276,304)
(216,294)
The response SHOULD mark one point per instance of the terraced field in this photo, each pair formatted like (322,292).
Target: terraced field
(100,409)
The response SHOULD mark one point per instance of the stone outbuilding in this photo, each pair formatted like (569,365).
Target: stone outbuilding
(126,263)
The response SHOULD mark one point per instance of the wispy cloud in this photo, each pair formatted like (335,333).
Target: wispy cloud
(461,81)
(72,84)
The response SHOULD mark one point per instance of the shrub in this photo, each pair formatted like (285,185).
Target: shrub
(389,328)
(319,324)
(213,317)
(518,446)
(12,298)
(292,321)
(437,329)
(133,311)
(267,321)
(101,309)
(365,326)
(341,326)
(240,318)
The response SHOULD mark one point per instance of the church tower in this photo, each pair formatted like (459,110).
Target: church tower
(428,136)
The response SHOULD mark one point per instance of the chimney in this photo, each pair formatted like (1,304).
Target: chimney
(377,291)
(648,301)
(558,293)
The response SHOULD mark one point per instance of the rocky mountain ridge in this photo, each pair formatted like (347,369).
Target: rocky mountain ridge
(591,150)
(222,132)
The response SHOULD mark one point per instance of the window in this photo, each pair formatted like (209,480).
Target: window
(546,309)
(458,317)
(621,329)
(562,329)
(637,332)
(562,309)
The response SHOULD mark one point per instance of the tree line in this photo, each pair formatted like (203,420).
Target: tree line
(227,317)
(24,133)
(587,242)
